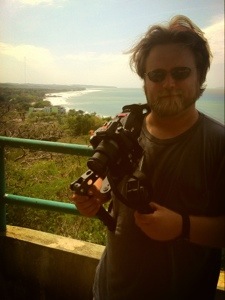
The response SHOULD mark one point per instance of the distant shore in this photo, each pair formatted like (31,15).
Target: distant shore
(109,102)
(62,97)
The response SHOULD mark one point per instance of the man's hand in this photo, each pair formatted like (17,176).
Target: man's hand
(161,225)
(90,204)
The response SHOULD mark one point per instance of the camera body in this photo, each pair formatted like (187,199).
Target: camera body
(115,144)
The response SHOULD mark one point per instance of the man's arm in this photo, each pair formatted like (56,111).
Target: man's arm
(165,225)
(208,231)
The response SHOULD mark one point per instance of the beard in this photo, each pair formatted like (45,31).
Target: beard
(170,103)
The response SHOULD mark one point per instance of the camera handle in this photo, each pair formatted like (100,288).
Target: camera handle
(137,193)
(81,186)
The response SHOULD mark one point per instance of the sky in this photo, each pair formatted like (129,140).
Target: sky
(85,41)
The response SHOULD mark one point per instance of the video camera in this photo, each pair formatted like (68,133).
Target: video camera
(117,153)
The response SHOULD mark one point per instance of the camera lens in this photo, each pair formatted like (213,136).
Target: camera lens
(106,152)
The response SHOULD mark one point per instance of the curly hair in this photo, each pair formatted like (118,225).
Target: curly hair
(180,30)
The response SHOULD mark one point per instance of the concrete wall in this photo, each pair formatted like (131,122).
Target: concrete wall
(38,265)
(41,266)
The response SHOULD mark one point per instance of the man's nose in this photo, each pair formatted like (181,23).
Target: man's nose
(169,82)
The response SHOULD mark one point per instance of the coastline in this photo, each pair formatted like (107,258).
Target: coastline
(109,102)
(62,97)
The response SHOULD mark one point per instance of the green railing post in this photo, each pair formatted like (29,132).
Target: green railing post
(2,191)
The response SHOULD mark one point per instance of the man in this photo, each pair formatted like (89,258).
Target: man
(174,252)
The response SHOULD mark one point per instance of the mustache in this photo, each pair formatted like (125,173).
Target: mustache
(169,94)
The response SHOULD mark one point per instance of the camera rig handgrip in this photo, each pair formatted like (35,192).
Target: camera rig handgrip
(81,187)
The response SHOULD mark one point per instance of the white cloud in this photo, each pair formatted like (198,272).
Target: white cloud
(39,62)
(100,69)
(37,56)
(81,68)
(36,2)
(215,35)
(96,57)
(40,2)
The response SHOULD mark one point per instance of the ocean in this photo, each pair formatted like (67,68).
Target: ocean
(109,101)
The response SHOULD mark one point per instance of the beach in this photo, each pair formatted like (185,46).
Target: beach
(62,97)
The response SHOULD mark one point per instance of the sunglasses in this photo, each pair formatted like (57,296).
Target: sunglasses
(178,73)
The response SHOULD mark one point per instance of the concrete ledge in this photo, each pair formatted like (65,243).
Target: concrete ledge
(221,282)
(39,265)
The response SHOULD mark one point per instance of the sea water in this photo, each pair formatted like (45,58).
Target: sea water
(109,101)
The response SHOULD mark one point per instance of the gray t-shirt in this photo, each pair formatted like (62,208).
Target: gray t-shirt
(185,174)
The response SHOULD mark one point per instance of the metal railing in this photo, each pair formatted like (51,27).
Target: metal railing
(38,145)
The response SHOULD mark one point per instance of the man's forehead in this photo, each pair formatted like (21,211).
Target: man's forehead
(169,53)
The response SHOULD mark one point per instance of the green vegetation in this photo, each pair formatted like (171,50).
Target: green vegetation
(45,175)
